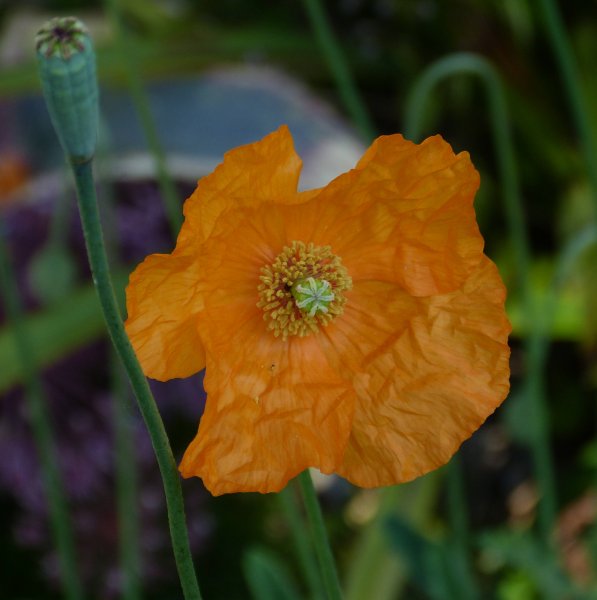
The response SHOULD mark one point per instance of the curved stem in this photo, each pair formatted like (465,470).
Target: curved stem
(320,538)
(571,79)
(103,282)
(337,63)
(42,433)
(466,63)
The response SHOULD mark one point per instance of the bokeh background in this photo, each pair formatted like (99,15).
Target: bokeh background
(514,515)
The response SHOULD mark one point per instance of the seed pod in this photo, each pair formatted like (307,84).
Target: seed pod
(67,70)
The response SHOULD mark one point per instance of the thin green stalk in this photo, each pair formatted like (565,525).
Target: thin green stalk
(301,540)
(562,49)
(124,448)
(126,487)
(42,433)
(320,538)
(142,106)
(339,68)
(102,279)
(466,63)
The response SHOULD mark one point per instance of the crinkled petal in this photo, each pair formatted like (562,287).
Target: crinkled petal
(273,409)
(265,171)
(404,215)
(439,369)
(163,301)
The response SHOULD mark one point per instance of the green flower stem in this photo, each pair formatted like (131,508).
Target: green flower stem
(571,78)
(320,538)
(142,106)
(301,540)
(339,68)
(42,433)
(103,282)
(125,454)
(126,486)
(465,63)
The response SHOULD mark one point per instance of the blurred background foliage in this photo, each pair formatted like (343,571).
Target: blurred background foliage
(469,531)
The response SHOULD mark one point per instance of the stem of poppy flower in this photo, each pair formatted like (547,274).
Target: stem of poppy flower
(101,276)
(320,538)
(463,63)
(562,50)
(301,541)
(337,63)
(143,109)
(42,433)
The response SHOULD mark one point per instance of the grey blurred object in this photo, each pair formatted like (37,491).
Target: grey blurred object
(198,120)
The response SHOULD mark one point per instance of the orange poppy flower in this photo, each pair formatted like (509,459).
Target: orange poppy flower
(356,328)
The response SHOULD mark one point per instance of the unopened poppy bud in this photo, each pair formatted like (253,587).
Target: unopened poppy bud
(67,70)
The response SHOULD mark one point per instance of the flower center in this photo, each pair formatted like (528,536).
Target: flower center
(302,289)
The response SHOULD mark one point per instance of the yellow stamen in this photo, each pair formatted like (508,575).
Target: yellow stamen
(302,289)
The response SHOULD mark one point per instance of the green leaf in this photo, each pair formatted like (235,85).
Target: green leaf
(267,577)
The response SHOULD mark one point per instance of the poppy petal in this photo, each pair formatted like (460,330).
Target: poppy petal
(273,409)
(404,215)
(265,171)
(431,384)
(162,302)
